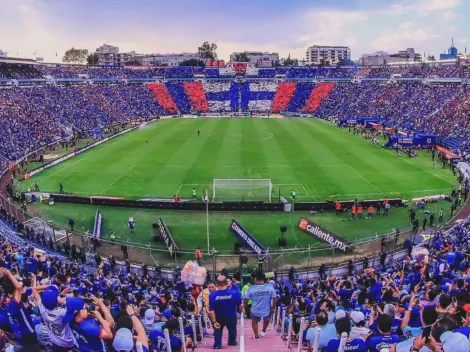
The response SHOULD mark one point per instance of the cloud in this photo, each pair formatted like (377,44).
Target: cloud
(407,34)
(423,6)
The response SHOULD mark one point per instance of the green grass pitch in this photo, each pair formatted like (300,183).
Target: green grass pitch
(316,159)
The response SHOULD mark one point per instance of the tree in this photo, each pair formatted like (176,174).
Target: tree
(93,59)
(290,62)
(207,51)
(192,62)
(75,56)
(322,62)
(431,58)
(243,57)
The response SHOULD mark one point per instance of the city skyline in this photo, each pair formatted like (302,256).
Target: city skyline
(45,27)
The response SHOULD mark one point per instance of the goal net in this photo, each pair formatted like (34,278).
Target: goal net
(236,190)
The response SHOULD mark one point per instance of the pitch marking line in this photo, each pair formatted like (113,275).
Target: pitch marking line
(422,168)
(357,172)
(125,173)
(305,190)
(179,189)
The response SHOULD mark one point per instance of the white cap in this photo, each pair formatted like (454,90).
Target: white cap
(340,314)
(149,316)
(123,341)
(357,316)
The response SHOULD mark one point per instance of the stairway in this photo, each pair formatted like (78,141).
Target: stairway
(272,342)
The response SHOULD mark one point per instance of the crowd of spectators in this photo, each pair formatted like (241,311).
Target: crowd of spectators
(32,117)
(442,109)
(449,70)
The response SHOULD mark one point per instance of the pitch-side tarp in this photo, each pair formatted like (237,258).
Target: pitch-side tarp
(246,238)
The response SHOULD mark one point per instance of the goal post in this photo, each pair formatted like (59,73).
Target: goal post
(242,189)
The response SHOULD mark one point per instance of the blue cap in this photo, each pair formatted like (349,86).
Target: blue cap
(49,297)
(73,305)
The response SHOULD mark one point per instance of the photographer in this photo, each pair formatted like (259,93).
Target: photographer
(20,319)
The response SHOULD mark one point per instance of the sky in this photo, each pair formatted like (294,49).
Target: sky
(42,28)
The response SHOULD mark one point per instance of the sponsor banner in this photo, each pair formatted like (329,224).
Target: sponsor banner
(447,153)
(415,141)
(167,238)
(98,226)
(365,121)
(324,235)
(248,240)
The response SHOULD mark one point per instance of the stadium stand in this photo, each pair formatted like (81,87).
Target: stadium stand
(196,96)
(319,93)
(440,107)
(163,97)
(284,94)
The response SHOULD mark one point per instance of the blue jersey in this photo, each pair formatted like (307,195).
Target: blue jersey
(157,340)
(31,265)
(20,320)
(88,336)
(355,345)
(224,303)
(376,343)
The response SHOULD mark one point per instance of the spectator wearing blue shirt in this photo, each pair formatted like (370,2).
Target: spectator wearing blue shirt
(352,344)
(385,339)
(20,320)
(89,332)
(223,305)
(327,331)
(158,341)
(264,301)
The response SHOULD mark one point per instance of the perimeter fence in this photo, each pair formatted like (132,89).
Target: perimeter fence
(306,258)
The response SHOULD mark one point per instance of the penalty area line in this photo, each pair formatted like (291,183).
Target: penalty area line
(357,172)
(125,173)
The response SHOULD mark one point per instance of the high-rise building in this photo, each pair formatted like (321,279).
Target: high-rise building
(3,54)
(408,55)
(109,55)
(165,59)
(260,59)
(318,54)
(374,59)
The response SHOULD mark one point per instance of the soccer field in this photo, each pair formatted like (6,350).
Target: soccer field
(317,160)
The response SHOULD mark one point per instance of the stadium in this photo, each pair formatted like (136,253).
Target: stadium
(148,202)
(165,160)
